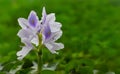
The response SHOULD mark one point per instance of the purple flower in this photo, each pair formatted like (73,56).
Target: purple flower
(51,32)
(28,34)
(32,28)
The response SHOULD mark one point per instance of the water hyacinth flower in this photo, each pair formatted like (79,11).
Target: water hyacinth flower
(51,32)
(28,33)
(32,28)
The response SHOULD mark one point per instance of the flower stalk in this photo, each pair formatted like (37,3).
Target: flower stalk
(39,55)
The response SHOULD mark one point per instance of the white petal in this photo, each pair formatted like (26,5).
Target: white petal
(35,40)
(28,35)
(50,17)
(22,53)
(23,23)
(44,12)
(27,42)
(55,36)
(24,33)
(55,26)
(58,46)
(54,46)
(25,50)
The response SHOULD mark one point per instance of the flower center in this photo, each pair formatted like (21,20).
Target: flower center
(32,21)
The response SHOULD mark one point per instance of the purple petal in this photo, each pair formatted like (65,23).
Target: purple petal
(33,19)
(54,36)
(47,31)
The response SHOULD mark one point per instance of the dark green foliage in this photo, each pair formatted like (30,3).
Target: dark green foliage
(91,35)
(48,72)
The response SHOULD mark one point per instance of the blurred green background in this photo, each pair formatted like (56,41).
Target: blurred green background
(91,34)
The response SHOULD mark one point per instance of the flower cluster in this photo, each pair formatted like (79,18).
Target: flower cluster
(37,32)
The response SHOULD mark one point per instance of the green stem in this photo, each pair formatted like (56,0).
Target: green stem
(39,55)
